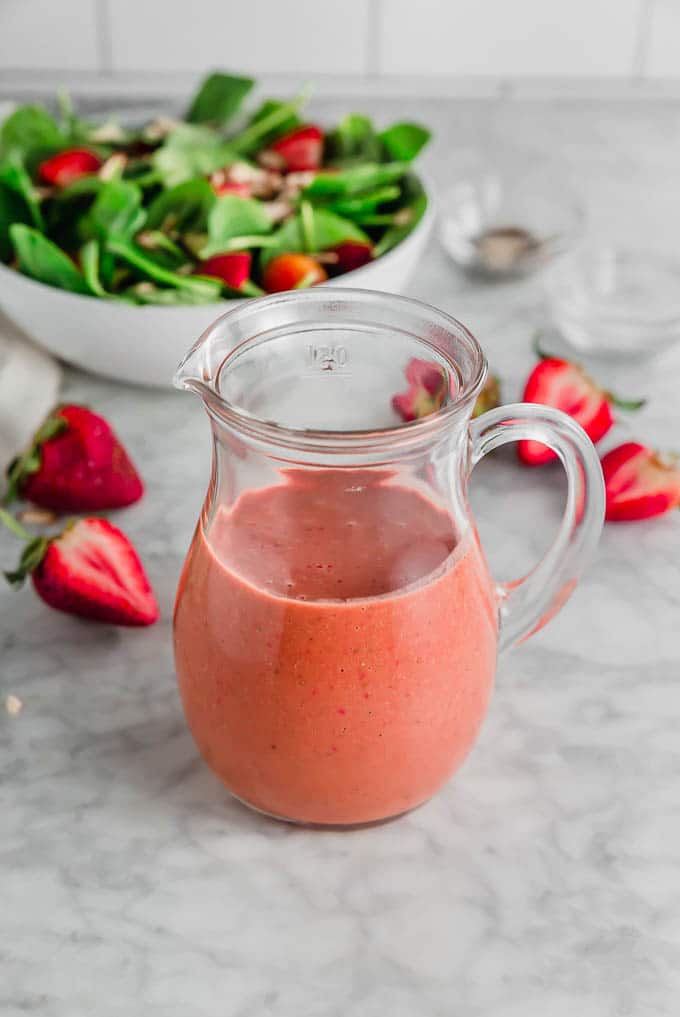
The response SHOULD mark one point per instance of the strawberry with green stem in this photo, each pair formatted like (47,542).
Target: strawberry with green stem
(90,569)
(75,463)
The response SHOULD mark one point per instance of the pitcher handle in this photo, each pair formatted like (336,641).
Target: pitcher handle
(528,603)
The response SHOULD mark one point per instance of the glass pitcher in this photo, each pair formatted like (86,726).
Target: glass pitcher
(336,627)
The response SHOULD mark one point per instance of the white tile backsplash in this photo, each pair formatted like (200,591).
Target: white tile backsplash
(437,40)
(297,36)
(663,50)
(508,37)
(52,34)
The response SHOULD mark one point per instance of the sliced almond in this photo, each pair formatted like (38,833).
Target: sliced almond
(277,210)
(113,167)
(108,132)
(13,705)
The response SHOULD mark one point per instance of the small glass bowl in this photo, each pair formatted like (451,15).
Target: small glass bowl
(505,222)
(607,301)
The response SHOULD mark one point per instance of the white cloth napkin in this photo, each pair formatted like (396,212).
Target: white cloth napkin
(29,388)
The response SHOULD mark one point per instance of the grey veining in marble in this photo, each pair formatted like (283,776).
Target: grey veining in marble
(543,882)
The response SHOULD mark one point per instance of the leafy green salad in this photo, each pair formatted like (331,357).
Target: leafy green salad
(219,204)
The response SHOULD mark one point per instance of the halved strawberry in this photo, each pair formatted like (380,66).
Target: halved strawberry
(64,168)
(302,149)
(90,569)
(639,482)
(567,387)
(427,390)
(232,269)
(348,256)
(74,464)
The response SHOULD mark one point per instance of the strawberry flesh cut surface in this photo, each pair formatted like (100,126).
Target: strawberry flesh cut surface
(232,269)
(300,150)
(93,571)
(566,387)
(639,483)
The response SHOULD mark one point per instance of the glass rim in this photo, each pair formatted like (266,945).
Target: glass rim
(307,439)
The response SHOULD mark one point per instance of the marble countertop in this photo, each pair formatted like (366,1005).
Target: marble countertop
(544,881)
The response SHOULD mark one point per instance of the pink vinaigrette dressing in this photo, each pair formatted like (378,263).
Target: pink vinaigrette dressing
(335,646)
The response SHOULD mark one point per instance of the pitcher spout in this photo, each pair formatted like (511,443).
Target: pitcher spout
(194,373)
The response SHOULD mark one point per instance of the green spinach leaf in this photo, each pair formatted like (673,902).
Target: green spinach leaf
(190,150)
(67,207)
(365,203)
(329,231)
(271,124)
(147,293)
(139,260)
(13,175)
(404,141)
(232,216)
(354,180)
(40,259)
(117,212)
(184,207)
(273,111)
(13,208)
(218,99)
(353,140)
(27,129)
(89,259)
(405,219)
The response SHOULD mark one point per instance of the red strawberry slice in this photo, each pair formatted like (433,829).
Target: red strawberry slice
(68,166)
(90,570)
(241,190)
(427,390)
(291,272)
(639,482)
(348,256)
(567,387)
(75,464)
(221,184)
(300,150)
(232,269)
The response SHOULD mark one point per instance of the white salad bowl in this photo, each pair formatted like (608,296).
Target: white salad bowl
(143,344)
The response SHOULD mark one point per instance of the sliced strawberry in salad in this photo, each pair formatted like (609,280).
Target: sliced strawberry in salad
(302,149)
(222,182)
(292,272)
(233,268)
(64,168)
(349,255)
